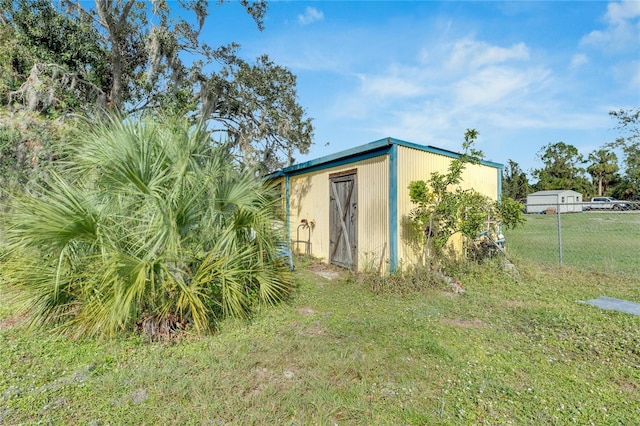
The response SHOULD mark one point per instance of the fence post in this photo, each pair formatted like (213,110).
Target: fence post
(559,229)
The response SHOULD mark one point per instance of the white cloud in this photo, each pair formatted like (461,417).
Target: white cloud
(390,86)
(628,74)
(458,77)
(496,97)
(578,60)
(397,83)
(468,53)
(496,86)
(465,83)
(620,11)
(622,28)
(311,15)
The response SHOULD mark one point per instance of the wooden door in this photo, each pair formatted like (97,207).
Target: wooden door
(343,219)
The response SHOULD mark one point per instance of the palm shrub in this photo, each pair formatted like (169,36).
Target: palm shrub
(144,224)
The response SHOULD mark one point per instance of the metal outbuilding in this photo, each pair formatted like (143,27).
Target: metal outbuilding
(562,200)
(352,208)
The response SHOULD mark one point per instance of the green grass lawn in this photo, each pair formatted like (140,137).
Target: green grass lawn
(599,241)
(506,352)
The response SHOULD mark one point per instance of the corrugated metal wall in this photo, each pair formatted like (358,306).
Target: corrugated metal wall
(415,164)
(373,215)
(309,199)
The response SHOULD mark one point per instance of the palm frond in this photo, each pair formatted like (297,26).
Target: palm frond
(149,220)
(54,217)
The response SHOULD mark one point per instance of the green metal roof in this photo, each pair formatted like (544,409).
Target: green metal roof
(372,149)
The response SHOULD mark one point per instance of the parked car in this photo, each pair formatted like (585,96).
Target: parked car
(606,203)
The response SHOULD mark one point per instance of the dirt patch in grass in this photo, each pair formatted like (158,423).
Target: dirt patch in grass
(448,293)
(326,271)
(313,331)
(515,304)
(306,311)
(628,386)
(474,323)
(13,321)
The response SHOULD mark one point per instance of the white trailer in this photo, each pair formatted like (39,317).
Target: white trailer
(564,201)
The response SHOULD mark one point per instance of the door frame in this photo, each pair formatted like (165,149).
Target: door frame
(348,235)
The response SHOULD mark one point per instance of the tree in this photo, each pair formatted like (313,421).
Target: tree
(144,224)
(50,61)
(515,184)
(128,56)
(443,209)
(604,165)
(255,107)
(561,169)
(40,52)
(629,125)
(628,121)
(28,145)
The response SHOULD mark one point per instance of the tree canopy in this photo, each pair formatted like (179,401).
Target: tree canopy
(603,168)
(129,56)
(561,169)
(514,182)
(629,143)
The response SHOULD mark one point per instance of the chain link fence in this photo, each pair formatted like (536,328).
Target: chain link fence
(594,237)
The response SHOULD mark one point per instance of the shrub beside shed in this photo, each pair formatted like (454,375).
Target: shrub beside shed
(564,201)
(351,208)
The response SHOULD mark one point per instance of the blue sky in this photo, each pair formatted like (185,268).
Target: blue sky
(524,74)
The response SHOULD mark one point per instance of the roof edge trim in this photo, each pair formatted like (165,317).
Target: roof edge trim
(369,148)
